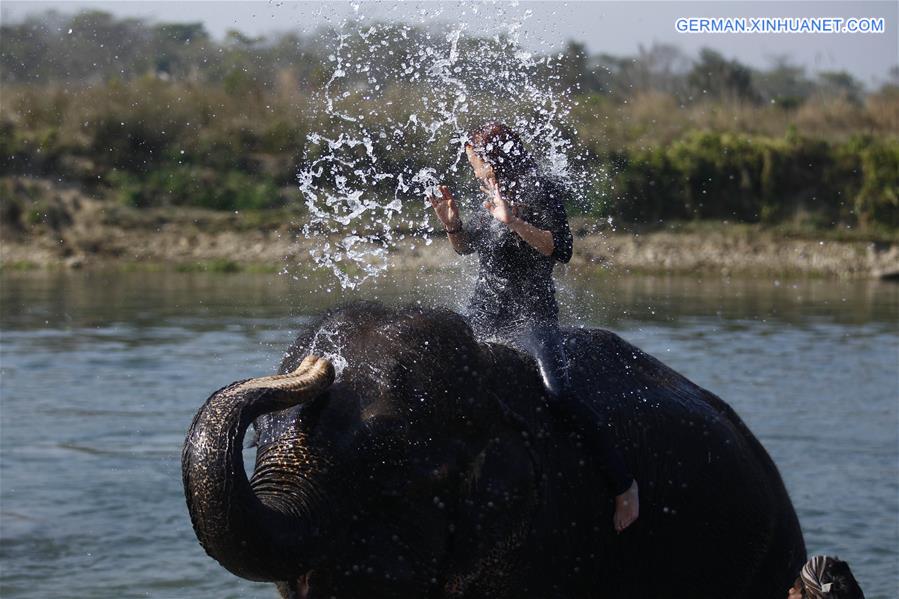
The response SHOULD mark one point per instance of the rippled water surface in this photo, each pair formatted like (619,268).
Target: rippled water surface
(101,373)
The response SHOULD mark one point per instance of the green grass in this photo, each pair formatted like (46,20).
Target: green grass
(790,230)
(18,266)
(219,265)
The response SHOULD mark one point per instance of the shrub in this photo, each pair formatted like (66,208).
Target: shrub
(878,199)
(194,186)
(722,176)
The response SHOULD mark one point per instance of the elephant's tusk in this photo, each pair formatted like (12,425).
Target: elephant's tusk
(313,375)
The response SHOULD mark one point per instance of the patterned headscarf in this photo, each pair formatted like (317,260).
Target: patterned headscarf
(811,577)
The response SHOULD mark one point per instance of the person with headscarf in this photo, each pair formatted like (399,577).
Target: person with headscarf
(825,577)
(520,233)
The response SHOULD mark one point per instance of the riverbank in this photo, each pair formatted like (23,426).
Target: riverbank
(68,229)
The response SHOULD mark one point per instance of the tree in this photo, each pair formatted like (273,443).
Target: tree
(573,69)
(784,83)
(840,84)
(716,77)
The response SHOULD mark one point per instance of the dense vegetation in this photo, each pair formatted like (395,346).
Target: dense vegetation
(156,115)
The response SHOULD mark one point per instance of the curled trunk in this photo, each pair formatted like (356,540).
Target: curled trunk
(257,537)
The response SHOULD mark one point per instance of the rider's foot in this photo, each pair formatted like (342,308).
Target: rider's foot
(627,508)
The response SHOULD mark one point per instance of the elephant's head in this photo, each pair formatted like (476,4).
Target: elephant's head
(367,449)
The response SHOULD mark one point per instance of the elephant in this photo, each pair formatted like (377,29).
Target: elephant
(399,456)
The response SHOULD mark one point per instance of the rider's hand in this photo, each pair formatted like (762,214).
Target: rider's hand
(445,208)
(496,204)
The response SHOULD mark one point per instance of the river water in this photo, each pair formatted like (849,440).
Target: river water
(100,374)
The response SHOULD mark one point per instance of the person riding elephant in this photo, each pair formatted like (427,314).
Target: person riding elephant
(519,236)
(825,577)
(398,455)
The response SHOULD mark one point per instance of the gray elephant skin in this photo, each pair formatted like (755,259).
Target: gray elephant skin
(420,462)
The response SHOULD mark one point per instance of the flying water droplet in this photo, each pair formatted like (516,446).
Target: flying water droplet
(392,127)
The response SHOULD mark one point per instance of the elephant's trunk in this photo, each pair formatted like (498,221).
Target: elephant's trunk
(251,535)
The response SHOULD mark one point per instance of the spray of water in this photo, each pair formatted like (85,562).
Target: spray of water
(394,87)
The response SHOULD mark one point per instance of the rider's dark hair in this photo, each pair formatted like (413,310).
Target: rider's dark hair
(501,147)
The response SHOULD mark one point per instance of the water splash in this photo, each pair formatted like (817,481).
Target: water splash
(402,87)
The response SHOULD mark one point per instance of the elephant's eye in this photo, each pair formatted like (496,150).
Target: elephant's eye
(381,432)
(385,424)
